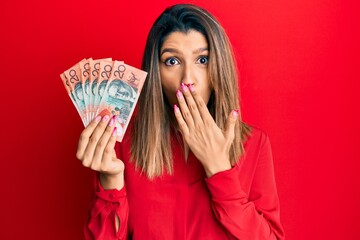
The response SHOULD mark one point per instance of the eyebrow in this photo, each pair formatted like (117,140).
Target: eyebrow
(174,50)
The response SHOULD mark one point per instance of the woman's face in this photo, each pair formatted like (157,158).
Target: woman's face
(184,59)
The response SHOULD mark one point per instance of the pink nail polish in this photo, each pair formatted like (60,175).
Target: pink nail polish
(97,119)
(183,87)
(112,121)
(176,109)
(179,94)
(235,113)
(114,133)
(191,87)
(105,118)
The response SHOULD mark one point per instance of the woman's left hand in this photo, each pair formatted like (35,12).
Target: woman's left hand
(207,141)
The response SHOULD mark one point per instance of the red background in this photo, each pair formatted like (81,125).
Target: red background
(299,64)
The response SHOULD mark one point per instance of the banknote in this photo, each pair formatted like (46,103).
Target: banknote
(104,75)
(121,94)
(94,75)
(73,75)
(71,96)
(103,86)
(85,80)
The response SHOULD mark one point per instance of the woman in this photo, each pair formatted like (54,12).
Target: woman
(188,168)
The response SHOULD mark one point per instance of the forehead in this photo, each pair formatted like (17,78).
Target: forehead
(188,40)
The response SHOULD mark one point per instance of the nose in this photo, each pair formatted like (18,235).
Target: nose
(188,75)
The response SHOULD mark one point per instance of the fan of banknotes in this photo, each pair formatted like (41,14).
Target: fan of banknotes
(103,86)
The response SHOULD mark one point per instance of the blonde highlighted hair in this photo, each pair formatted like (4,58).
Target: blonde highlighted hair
(151,147)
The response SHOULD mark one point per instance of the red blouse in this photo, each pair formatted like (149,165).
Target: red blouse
(240,203)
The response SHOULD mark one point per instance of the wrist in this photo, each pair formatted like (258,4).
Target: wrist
(112,181)
(217,167)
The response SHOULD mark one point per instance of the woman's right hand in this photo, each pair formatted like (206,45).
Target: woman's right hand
(96,151)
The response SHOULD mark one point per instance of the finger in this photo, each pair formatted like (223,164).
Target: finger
(230,125)
(109,161)
(85,136)
(93,140)
(186,114)
(181,122)
(191,104)
(201,105)
(102,143)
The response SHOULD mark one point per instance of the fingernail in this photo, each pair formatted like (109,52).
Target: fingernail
(235,113)
(97,119)
(191,87)
(112,121)
(184,87)
(176,109)
(114,132)
(105,118)
(179,94)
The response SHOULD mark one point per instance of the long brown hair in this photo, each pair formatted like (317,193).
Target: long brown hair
(151,147)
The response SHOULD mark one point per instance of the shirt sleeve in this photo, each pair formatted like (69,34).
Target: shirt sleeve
(252,216)
(104,206)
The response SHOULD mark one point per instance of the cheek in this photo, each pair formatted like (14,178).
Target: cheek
(205,94)
(205,87)
(170,83)
(169,92)
(169,89)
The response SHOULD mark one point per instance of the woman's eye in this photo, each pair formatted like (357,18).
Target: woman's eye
(171,61)
(203,60)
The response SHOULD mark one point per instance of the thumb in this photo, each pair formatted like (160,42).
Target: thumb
(230,125)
